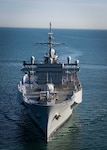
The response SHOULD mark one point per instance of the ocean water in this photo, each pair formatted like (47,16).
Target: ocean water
(87,128)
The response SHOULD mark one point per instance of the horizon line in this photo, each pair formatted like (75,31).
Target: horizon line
(62,28)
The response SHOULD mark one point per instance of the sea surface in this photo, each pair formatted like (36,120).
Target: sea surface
(87,128)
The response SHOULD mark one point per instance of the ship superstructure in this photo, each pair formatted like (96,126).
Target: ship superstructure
(50,89)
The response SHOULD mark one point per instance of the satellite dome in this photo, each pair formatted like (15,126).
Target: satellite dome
(49,87)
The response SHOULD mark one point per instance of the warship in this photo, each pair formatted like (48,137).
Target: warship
(50,89)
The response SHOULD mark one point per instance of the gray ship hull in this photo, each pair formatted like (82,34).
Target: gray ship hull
(50,117)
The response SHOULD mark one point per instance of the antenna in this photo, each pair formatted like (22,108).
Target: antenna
(50,27)
(50,37)
(50,42)
(47,77)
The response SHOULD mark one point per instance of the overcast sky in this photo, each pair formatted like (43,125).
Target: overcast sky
(85,14)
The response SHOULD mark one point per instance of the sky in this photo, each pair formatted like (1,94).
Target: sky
(76,14)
